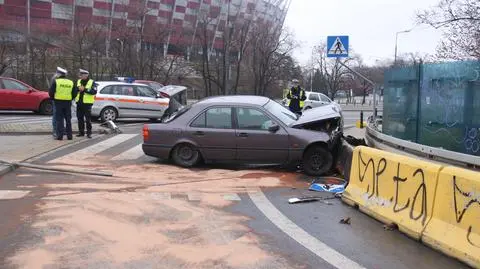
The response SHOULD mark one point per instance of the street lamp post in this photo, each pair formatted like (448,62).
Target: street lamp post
(396,43)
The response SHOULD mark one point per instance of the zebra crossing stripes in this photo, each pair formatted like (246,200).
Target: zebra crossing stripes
(131,154)
(91,151)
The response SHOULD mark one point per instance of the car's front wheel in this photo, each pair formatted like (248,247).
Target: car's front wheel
(317,161)
(108,113)
(185,155)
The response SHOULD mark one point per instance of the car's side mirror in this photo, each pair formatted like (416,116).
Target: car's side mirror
(29,91)
(274,128)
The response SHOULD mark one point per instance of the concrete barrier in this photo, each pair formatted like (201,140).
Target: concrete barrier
(455,225)
(344,159)
(393,188)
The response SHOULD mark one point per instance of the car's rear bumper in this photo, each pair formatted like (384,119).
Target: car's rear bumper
(157,151)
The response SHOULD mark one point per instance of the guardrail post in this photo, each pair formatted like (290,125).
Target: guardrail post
(361,119)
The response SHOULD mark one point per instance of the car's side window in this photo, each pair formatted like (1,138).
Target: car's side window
(200,121)
(13,85)
(123,90)
(145,92)
(215,118)
(314,97)
(252,119)
(107,90)
(324,98)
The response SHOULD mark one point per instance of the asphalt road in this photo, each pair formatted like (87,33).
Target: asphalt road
(154,215)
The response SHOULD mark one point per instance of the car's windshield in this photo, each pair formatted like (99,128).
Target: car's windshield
(281,112)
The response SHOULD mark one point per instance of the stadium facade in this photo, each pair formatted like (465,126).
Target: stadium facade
(115,17)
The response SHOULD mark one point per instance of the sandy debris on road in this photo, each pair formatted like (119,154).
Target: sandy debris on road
(120,222)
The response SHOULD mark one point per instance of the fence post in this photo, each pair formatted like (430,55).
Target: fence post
(419,101)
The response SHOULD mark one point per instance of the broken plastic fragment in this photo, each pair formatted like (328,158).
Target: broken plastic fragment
(327,187)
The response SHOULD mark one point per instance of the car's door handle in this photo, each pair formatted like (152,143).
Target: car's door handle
(199,133)
(141,100)
(242,134)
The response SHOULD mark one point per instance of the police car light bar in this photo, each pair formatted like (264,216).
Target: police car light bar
(125,79)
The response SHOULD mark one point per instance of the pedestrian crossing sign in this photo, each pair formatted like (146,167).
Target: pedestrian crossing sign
(337,46)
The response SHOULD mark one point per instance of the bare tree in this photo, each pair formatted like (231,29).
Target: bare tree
(461,19)
(6,55)
(333,73)
(270,48)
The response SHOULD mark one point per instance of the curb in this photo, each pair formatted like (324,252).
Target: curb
(6,168)
(102,131)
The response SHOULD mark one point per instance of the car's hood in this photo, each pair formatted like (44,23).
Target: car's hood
(172,89)
(329,111)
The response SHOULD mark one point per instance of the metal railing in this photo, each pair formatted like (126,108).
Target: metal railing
(420,150)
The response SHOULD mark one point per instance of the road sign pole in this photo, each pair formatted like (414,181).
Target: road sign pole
(367,80)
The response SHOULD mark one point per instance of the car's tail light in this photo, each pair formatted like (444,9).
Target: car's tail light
(164,95)
(146,132)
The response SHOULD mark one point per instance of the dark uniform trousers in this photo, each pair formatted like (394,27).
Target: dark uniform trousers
(63,115)
(84,115)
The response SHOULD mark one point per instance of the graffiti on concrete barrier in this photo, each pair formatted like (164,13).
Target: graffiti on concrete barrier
(381,166)
(419,199)
(460,212)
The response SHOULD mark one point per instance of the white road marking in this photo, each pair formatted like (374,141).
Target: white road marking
(7,194)
(319,248)
(131,154)
(194,196)
(147,196)
(232,197)
(96,148)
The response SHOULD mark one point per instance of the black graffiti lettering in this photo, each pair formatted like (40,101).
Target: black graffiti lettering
(423,188)
(460,213)
(382,165)
(380,168)
(397,180)
(469,239)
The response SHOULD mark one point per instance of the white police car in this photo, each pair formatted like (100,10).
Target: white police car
(126,99)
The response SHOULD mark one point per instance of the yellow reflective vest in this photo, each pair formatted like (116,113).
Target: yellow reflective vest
(63,90)
(87,98)
(301,92)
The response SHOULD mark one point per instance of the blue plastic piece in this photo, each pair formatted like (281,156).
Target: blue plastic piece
(327,188)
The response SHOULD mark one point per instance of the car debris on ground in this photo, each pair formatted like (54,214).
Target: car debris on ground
(329,184)
(390,227)
(345,221)
(296,200)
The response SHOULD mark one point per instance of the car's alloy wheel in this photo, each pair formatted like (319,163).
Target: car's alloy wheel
(317,161)
(46,108)
(108,113)
(185,155)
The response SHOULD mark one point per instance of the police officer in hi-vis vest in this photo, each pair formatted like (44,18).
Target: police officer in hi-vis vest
(85,99)
(62,92)
(297,97)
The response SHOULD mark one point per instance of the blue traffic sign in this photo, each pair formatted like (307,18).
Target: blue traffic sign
(337,46)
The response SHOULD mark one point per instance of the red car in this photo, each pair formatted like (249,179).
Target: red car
(16,95)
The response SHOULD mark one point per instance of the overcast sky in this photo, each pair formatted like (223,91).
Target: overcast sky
(371,25)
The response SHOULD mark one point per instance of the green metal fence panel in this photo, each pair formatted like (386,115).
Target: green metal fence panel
(435,104)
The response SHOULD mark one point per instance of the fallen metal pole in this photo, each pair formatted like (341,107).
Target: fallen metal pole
(55,169)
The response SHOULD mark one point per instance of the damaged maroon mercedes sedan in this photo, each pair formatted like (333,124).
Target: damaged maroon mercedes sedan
(247,130)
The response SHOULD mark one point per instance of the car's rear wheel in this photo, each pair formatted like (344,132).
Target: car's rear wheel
(108,113)
(317,161)
(185,155)
(46,107)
